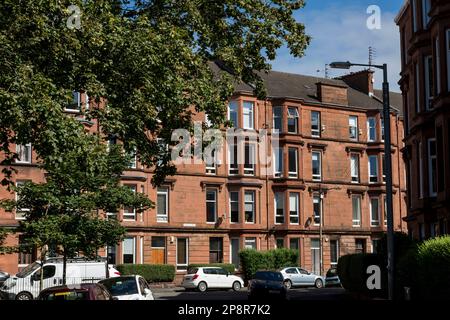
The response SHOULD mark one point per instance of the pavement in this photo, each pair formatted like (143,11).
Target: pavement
(297,294)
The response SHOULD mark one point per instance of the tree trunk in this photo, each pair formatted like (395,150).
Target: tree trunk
(64,267)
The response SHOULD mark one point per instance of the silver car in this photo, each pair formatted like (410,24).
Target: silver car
(298,277)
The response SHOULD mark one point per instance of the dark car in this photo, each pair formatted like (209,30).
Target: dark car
(85,291)
(3,277)
(332,278)
(265,284)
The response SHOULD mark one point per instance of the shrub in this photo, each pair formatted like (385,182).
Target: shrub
(352,271)
(227,266)
(150,272)
(433,268)
(253,260)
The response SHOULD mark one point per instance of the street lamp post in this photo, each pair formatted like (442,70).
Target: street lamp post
(388,166)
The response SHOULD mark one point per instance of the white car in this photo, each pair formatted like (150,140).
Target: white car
(298,277)
(131,287)
(204,278)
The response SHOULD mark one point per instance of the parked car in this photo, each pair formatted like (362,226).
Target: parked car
(265,284)
(204,278)
(25,284)
(132,287)
(3,277)
(298,277)
(84,291)
(332,278)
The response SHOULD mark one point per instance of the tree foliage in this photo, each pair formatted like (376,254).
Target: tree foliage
(147,59)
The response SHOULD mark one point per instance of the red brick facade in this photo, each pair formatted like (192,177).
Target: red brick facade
(425,83)
(163,241)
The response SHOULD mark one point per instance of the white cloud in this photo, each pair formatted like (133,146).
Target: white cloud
(341,33)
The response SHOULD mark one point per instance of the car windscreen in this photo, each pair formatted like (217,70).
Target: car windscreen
(65,295)
(121,286)
(269,276)
(28,270)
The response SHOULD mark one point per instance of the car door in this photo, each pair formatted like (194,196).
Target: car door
(222,279)
(303,275)
(293,275)
(307,277)
(209,276)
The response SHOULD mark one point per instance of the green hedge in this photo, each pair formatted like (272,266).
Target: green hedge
(433,269)
(227,266)
(151,272)
(253,260)
(352,271)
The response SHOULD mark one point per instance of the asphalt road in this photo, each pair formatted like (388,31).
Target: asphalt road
(229,295)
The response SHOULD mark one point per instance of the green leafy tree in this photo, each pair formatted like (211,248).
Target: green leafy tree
(64,210)
(143,63)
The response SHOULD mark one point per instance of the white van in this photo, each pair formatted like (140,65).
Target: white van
(25,285)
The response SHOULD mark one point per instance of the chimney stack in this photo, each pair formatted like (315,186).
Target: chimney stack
(362,81)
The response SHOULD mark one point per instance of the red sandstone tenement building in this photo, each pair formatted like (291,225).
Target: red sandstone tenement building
(329,164)
(425,83)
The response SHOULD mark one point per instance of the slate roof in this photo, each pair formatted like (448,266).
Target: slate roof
(297,86)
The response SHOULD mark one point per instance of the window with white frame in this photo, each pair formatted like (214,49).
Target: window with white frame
(383,162)
(421,178)
(432,167)
(385,211)
(373,169)
(334,252)
(278,162)
(279,243)
(447,49)
(133,159)
(129,250)
(382,128)
(111,215)
(162,205)
(426,7)
(414,14)
(129,213)
(293,120)
(233,166)
(354,167)
(371,129)
(294,214)
(233,113)
(248,114)
(21,213)
(317,208)
(211,205)
(353,127)
(277,113)
(75,104)
(374,212)
(23,153)
(437,48)
(417,85)
(429,82)
(210,163)
(234,206)
(293,162)
(250,243)
(279,207)
(316,165)
(249,206)
(315,124)
(356,208)
(182,253)
(250,159)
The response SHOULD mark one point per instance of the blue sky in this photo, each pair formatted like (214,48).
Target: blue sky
(339,33)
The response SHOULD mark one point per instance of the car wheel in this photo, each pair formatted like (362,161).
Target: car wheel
(202,286)
(24,296)
(318,284)
(288,284)
(236,286)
